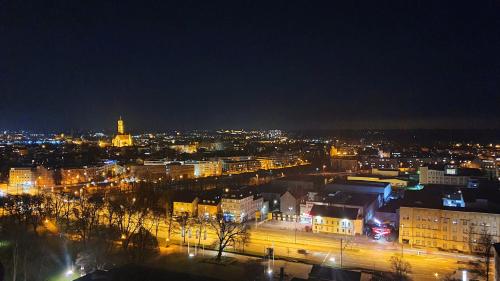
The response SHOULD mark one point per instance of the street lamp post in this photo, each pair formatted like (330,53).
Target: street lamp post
(294,223)
(341,252)
(401,234)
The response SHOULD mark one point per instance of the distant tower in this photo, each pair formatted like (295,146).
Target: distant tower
(121,127)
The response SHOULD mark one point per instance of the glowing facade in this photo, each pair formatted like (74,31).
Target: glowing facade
(122,139)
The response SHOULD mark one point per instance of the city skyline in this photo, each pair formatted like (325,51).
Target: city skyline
(294,66)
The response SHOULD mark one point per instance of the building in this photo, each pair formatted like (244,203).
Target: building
(238,165)
(425,222)
(185,204)
(336,220)
(383,189)
(76,175)
(279,161)
(448,174)
(367,204)
(179,171)
(395,182)
(148,172)
(209,204)
(22,177)
(385,172)
(122,139)
(241,203)
(344,164)
(203,169)
(44,177)
(185,148)
(289,205)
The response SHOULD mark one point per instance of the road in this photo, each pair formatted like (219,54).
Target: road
(357,253)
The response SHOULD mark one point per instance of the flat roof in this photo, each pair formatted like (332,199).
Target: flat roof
(334,212)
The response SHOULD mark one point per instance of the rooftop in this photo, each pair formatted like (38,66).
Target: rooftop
(334,212)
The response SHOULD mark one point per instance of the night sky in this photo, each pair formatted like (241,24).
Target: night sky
(166,65)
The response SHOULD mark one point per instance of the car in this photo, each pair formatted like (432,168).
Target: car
(302,251)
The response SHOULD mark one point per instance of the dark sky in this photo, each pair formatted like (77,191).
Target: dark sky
(249,64)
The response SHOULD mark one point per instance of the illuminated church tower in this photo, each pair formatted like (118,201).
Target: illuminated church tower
(121,128)
(122,139)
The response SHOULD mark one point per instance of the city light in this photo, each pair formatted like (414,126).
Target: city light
(69,272)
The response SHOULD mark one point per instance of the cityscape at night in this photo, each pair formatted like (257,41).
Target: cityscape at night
(249,140)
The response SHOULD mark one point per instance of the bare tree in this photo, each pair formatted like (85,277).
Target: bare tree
(485,242)
(130,214)
(228,231)
(400,268)
(86,212)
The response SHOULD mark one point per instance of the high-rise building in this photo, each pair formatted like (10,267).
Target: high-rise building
(122,139)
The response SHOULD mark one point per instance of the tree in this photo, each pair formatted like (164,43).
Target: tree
(86,212)
(143,244)
(130,213)
(228,231)
(485,242)
(400,268)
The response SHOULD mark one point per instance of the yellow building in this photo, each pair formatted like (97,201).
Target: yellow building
(206,168)
(209,208)
(425,222)
(446,229)
(393,181)
(22,177)
(122,139)
(336,220)
(209,204)
(185,204)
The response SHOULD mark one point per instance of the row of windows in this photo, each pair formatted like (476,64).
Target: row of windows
(429,243)
(327,221)
(331,229)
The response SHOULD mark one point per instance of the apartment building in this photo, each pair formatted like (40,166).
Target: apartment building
(241,203)
(424,222)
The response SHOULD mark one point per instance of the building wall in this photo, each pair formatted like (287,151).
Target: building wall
(428,176)
(80,175)
(148,172)
(288,204)
(342,165)
(179,172)
(19,177)
(385,173)
(207,168)
(337,225)
(393,182)
(44,177)
(210,211)
(122,140)
(445,229)
(189,208)
(241,208)
(236,165)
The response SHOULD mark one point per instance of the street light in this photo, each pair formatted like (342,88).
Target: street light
(294,223)
(401,234)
